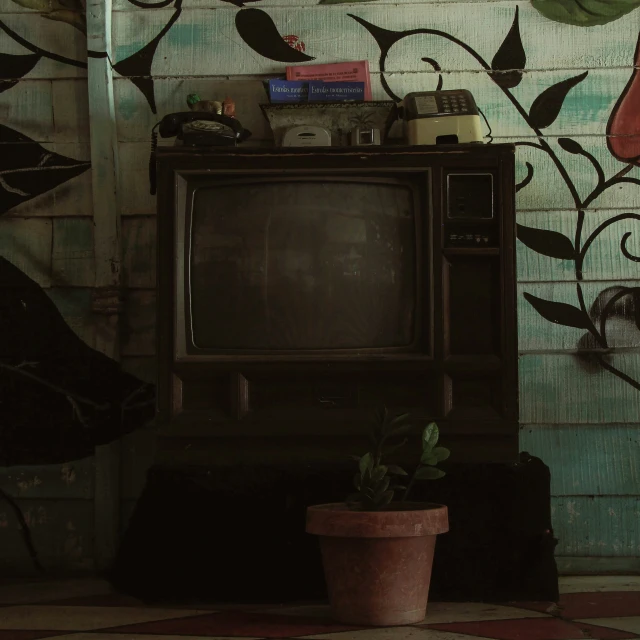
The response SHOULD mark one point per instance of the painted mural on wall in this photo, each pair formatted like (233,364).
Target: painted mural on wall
(59,398)
(30,170)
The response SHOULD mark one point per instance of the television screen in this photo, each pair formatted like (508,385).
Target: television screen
(303,265)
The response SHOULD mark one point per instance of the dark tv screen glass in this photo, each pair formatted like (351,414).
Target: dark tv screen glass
(303,266)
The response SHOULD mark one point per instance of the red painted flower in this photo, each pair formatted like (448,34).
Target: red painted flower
(623,128)
(295,43)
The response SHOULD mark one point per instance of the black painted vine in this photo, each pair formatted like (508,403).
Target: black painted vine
(506,71)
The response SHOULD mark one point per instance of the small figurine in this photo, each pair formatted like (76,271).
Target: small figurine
(210,106)
(229,107)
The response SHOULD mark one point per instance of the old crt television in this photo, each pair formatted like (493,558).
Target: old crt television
(300,289)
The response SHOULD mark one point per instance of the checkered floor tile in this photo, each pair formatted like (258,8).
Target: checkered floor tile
(596,608)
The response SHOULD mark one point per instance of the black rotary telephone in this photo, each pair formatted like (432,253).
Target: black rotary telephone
(196,129)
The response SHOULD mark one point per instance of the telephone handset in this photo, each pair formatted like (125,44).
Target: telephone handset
(177,124)
(198,129)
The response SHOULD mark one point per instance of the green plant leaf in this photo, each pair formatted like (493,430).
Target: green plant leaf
(400,430)
(382,486)
(395,470)
(430,436)
(429,473)
(428,458)
(441,453)
(387,497)
(584,13)
(357,481)
(400,419)
(366,464)
(395,447)
(378,474)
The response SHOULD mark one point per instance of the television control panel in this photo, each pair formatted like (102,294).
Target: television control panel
(470,211)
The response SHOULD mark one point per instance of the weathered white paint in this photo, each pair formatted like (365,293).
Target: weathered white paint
(106,216)
(205,42)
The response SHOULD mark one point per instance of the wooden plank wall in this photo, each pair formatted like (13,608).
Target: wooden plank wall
(50,238)
(582,422)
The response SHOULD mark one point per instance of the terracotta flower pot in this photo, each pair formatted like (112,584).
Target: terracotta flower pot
(377,564)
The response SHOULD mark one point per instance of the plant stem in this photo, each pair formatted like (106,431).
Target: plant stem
(410,485)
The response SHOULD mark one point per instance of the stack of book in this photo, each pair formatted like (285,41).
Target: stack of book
(340,82)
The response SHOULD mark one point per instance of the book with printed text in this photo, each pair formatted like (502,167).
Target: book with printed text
(337,72)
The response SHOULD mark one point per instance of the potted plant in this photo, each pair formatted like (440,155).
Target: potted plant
(377,553)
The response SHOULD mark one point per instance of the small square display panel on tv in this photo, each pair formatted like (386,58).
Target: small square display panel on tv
(303,265)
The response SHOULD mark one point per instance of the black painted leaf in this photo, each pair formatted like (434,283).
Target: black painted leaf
(49,364)
(558,312)
(548,243)
(27,169)
(510,58)
(384,37)
(571,146)
(5,85)
(259,31)
(546,107)
(15,67)
(527,179)
(137,67)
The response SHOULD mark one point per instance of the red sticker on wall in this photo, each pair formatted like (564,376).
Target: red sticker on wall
(295,43)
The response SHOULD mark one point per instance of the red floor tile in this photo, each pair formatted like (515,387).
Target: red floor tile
(236,623)
(609,604)
(543,607)
(532,629)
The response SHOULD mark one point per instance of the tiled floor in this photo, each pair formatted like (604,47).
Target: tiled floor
(597,608)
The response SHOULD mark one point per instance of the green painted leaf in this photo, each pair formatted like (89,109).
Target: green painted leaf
(430,473)
(584,13)
(430,436)
(395,470)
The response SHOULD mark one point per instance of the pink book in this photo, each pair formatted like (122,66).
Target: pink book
(338,72)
